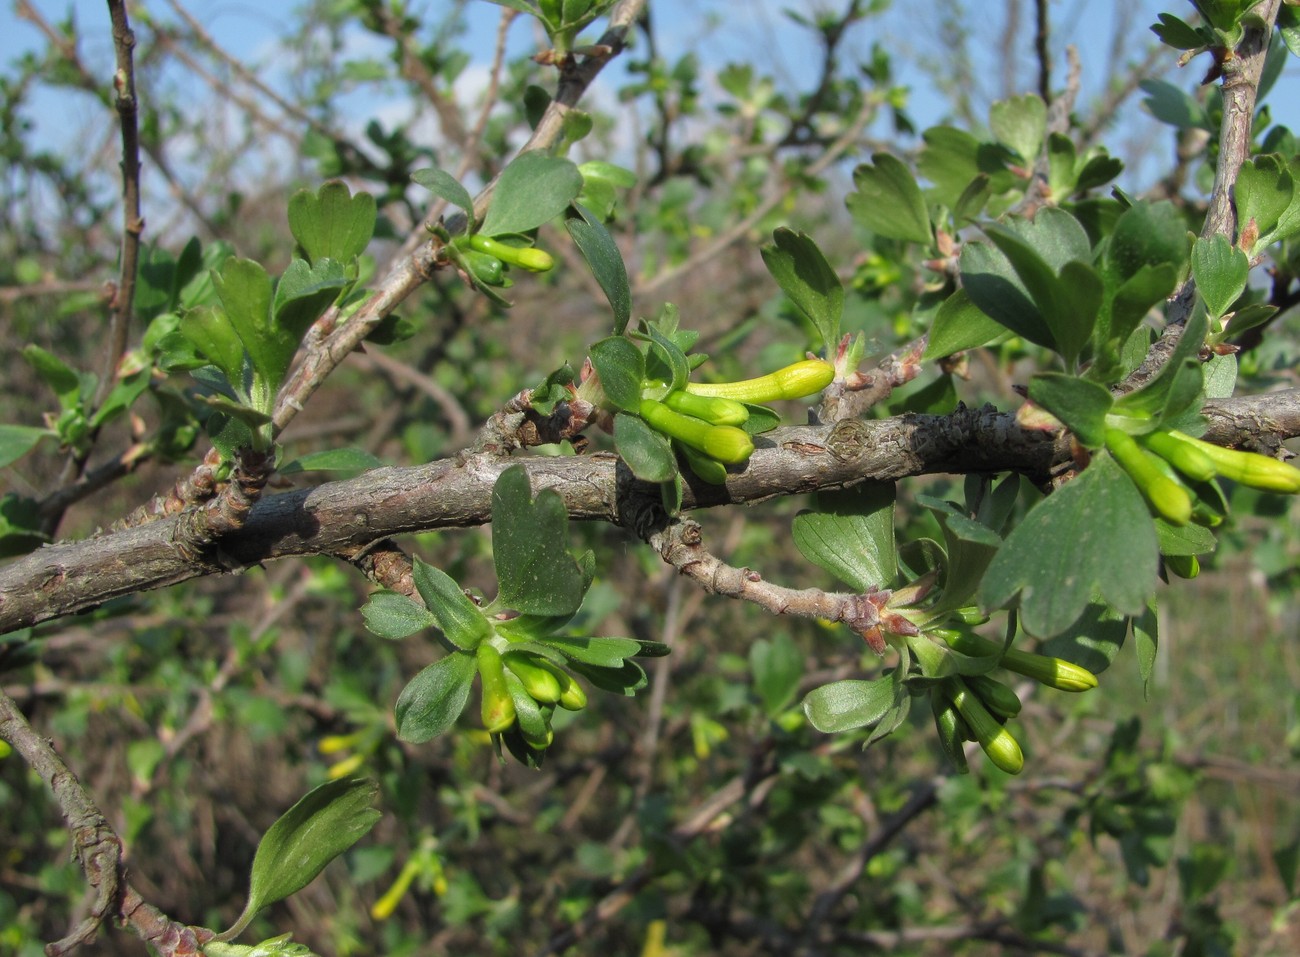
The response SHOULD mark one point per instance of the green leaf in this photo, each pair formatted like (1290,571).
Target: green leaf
(302,295)
(122,396)
(666,361)
(445,186)
(1147,234)
(62,379)
(326,822)
(852,703)
(1168,104)
(805,276)
(851,535)
(17,440)
(458,617)
(1080,404)
(1146,641)
(210,331)
(777,667)
(1221,271)
(1094,640)
(889,202)
(530,548)
(1123,314)
(969,546)
(1062,166)
(627,679)
(606,261)
(1092,536)
(1176,33)
(1265,195)
(350,459)
(1020,122)
(1178,382)
(533,189)
(432,701)
(245,291)
(394,616)
(960,325)
(332,223)
(621,368)
(647,453)
(599,652)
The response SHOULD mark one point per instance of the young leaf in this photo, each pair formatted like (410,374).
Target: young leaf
(1020,122)
(1146,641)
(349,459)
(805,276)
(1221,271)
(302,295)
(530,548)
(533,189)
(1080,404)
(777,667)
(458,618)
(394,616)
(327,821)
(1263,192)
(851,535)
(1092,536)
(621,368)
(666,360)
(647,453)
(602,254)
(332,223)
(599,652)
(55,373)
(960,325)
(969,547)
(432,701)
(245,291)
(443,185)
(888,201)
(852,703)
(1094,640)
(210,331)
(1147,234)
(17,440)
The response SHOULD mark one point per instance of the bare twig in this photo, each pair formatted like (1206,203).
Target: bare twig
(97,848)
(1043,49)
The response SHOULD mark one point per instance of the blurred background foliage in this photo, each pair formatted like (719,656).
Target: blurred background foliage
(704,816)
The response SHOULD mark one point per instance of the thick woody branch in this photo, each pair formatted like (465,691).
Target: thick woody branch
(345,518)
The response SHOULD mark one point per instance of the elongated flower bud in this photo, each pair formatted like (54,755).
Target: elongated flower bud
(996,696)
(997,742)
(525,257)
(1249,468)
(1054,672)
(538,680)
(498,708)
(1166,497)
(1182,455)
(793,382)
(711,409)
(951,730)
(709,470)
(726,443)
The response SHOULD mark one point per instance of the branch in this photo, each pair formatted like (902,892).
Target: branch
(345,517)
(97,848)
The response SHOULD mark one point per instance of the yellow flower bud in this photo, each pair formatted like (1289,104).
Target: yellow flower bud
(793,382)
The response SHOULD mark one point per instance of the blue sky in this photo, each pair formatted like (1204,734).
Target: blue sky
(713,30)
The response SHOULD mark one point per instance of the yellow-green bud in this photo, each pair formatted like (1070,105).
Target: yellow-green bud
(498,708)
(1249,468)
(1166,497)
(1054,672)
(572,695)
(793,382)
(997,697)
(709,470)
(712,409)
(726,443)
(1182,566)
(538,680)
(998,743)
(1182,455)
(951,730)
(525,257)
(484,268)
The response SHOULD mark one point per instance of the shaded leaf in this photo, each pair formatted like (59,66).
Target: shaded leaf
(1081,405)
(889,202)
(394,616)
(351,459)
(851,535)
(1092,536)
(960,325)
(533,189)
(530,548)
(1020,122)
(777,667)
(621,368)
(17,440)
(853,703)
(1221,271)
(332,223)
(445,186)
(606,261)
(647,453)
(432,701)
(458,618)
